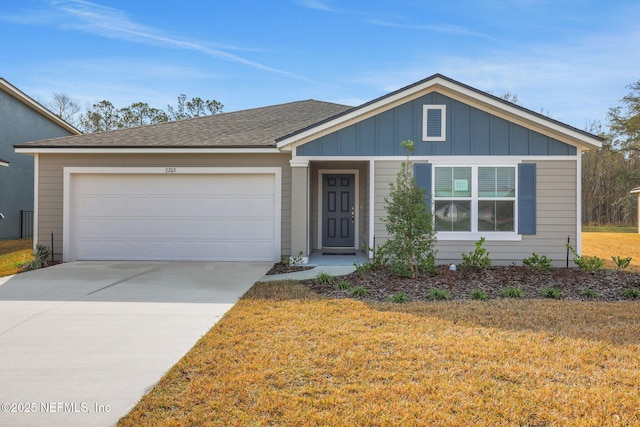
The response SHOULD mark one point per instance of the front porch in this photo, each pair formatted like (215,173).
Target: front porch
(326,257)
(330,214)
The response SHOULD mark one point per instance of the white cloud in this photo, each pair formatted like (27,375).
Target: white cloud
(105,21)
(438,28)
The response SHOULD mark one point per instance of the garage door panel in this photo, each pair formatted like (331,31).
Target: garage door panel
(182,217)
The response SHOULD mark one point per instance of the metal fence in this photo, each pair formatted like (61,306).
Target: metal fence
(26,224)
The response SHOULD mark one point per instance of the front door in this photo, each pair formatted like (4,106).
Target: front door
(338,210)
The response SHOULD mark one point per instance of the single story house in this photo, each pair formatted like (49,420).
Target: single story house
(21,119)
(291,179)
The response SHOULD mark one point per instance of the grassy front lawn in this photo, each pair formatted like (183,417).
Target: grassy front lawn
(14,253)
(283,356)
(605,245)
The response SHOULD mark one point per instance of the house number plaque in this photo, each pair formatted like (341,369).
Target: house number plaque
(169,170)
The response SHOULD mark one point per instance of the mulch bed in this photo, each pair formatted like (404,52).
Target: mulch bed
(282,268)
(381,283)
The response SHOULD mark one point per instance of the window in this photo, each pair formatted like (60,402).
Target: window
(475,198)
(434,121)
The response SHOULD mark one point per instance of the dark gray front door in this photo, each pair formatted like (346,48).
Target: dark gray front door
(338,210)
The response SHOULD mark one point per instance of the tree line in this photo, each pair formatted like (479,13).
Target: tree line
(103,115)
(611,172)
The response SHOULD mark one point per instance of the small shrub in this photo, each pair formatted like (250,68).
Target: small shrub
(40,256)
(538,263)
(621,263)
(590,293)
(439,294)
(399,298)
(363,269)
(324,278)
(479,295)
(549,292)
(586,263)
(358,291)
(631,293)
(476,259)
(512,292)
(342,285)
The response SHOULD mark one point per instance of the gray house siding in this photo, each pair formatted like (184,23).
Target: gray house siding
(556,210)
(50,200)
(469,131)
(18,124)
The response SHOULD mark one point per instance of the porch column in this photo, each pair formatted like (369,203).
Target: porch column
(300,209)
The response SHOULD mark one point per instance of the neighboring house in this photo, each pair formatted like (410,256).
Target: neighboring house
(289,179)
(21,119)
(637,191)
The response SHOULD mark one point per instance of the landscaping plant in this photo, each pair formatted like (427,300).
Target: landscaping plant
(439,294)
(621,263)
(40,256)
(538,263)
(479,295)
(411,244)
(512,292)
(358,291)
(549,292)
(399,298)
(342,285)
(476,259)
(324,278)
(586,263)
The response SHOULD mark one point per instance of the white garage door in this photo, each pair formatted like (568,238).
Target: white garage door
(208,217)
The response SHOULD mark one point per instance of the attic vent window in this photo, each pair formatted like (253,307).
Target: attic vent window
(434,119)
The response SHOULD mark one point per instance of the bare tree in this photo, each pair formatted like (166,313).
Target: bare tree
(64,107)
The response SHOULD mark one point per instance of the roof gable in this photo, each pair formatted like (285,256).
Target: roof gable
(468,131)
(457,91)
(16,93)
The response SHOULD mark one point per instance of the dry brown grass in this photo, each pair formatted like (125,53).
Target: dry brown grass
(606,245)
(283,356)
(12,254)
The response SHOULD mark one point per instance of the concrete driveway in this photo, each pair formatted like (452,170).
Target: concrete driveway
(81,343)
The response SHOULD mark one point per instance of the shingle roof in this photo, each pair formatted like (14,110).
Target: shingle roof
(257,127)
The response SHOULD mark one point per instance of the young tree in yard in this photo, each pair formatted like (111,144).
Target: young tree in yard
(411,244)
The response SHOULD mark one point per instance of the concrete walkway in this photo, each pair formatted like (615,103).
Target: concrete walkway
(81,343)
(334,270)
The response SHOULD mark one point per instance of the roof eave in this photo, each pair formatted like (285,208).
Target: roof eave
(22,149)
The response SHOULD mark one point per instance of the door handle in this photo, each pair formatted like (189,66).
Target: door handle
(353,214)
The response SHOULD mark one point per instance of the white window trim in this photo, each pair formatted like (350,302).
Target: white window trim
(443,122)
(474,234)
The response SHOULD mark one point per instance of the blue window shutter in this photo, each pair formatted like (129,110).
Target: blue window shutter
(527,198)
(434,122)
(422,175)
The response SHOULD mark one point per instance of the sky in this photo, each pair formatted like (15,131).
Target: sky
(571,60)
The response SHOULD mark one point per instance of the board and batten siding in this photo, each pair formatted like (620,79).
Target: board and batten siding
(50,182)
(556,216)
